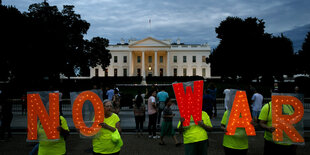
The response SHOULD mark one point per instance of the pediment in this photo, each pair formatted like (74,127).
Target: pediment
(149,42)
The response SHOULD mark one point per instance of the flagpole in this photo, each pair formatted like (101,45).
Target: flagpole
(150,23)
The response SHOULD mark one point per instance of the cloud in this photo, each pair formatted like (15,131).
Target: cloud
(191,21)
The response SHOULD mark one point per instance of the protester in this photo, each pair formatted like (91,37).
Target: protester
(234,144)
(104,143)
(166,127)
(6,114)
(139,112)
(109,93)
(249,93)
(257,102)
(195,136)
(116,100)
(275,88)
(207,103)
(152,111)
(55,147)
(271,147)
(162,97)
(226,99)
(212,91)
(24,103)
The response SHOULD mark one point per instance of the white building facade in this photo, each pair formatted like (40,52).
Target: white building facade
(152,57)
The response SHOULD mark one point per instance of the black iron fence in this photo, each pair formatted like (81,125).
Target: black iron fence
(17,106)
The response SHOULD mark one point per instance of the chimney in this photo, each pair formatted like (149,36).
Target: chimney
(178,41)
(122,41)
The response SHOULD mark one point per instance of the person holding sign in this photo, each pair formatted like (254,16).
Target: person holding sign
(234,144)
(52,147)
(195,136)
(271,147)
(105,141)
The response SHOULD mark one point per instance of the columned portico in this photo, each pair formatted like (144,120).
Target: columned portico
(130,66)
(155,67)
(168,63)
(143,65)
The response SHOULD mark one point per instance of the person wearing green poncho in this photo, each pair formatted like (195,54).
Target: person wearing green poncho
(53,147)
(265,121)
(235,144)
(195,136)
(104,143)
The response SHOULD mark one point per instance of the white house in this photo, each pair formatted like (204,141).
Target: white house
(152,57)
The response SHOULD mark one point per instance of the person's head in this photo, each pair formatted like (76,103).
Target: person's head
(94,86)
(108,107)
(116,91)
(168,102)
(296,89)
(154,93)
(211,86)
(162,89)
(139,92)
(206,91)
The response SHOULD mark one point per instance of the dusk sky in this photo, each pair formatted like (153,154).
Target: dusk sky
(193,21)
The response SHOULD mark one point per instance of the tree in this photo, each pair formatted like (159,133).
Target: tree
(12,32)
(60,34)
(98,54)
(45,42)
(304,56)
(246,51)
(237,53)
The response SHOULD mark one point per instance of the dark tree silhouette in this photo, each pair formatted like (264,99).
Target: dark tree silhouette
(246,51)
(304,56)
(45,42)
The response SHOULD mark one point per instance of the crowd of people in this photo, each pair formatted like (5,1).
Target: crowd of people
(157,105)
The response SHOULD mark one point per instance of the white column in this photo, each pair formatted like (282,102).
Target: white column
(155,67)
(168,63)
(130,61)
(143,65)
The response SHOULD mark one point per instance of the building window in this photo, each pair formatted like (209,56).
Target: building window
(125,72)
(161,59)
(96,72)
(184,59)
(106,72)
(194,71)
(115,72)
(161,72)
(125,59)
(150,59)
(194,59)
(203,58)
(175,59)
(184,72)
(115,59)
(175,72)
(203,72)
(138,72)
(139,59)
